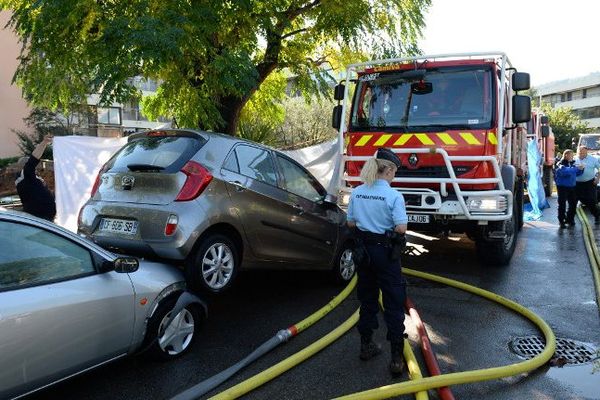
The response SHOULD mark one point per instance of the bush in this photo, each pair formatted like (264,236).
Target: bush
(7,161)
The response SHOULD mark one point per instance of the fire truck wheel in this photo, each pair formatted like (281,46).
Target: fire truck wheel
(497,253)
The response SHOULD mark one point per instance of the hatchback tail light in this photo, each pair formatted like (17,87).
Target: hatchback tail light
(197,180)
(171,226)
(98,180)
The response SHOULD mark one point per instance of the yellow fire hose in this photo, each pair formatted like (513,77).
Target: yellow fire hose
(416,385)
(592,250)
(468,376)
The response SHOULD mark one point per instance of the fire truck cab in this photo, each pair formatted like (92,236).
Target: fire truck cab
(455,122)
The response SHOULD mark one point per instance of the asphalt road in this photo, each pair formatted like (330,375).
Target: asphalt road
(549,274)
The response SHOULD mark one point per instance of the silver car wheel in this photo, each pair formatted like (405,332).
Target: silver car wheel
(217,266)
(347,266)
(176,337)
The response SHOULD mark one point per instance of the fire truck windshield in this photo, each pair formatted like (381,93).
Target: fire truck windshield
(445,98)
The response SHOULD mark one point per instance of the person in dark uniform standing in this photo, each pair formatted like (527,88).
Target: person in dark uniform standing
(35,196)
(377,213)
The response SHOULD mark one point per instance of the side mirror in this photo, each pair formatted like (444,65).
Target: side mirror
(330,198)
(545,131)
(338,91)
(544,119)
(336,117)
(520,81)
(521,108)
(126,264)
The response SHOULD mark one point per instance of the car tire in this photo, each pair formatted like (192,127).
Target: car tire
(343,269)
(167,343)
(499,252)
(214,266)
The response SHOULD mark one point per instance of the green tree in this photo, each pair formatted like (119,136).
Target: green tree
(210,56)
(566,125)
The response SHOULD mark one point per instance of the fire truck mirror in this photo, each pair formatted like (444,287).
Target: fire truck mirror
(421,87)
(521,108)
(545,131)
(338,91)
(336,117)
(544,119)
(520,81)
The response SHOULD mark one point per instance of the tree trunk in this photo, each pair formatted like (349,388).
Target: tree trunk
(230,110)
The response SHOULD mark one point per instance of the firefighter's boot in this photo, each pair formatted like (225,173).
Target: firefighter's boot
(397,363)
(368,348)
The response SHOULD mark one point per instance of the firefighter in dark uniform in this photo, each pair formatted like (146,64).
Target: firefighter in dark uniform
(377,213)
(35,196)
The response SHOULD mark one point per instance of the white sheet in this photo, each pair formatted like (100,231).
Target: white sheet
(77,160)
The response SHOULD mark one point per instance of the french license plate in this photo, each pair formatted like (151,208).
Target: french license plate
(119,226)
(418,219)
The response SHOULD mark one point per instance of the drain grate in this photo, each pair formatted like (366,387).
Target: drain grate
(571,351)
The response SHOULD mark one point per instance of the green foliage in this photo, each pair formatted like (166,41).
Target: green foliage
(306,123)
(566,125)
(8,161)
(210,57)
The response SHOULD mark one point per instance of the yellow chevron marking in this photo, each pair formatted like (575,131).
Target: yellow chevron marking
(469,138)
(381,141)
(363,140)
(424,138)
(403,139)
(446,138)
(492,138)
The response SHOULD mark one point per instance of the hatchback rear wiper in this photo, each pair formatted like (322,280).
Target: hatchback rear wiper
(144,167)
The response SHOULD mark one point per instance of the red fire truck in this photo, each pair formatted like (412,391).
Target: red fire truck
(456,123)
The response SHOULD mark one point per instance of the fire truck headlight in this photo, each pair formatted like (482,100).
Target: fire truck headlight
(487,204)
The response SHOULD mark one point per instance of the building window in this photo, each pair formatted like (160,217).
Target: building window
(109,115)
(569,96)
(588,112)
(562,97)
(584,94)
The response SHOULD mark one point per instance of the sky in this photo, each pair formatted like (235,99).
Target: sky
(552,40)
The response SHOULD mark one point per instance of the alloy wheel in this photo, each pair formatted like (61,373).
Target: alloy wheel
(217,266)
(346,266)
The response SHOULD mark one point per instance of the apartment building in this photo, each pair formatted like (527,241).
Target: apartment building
(581,94)
(12,106)
(94,120)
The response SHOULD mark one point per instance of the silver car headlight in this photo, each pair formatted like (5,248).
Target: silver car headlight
(491,204)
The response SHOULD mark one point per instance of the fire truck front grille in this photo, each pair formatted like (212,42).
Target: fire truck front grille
(430,172)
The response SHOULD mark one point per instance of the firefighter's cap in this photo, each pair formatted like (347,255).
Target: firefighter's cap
(383,153)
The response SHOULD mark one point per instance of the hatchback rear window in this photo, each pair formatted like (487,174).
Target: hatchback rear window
(156,154)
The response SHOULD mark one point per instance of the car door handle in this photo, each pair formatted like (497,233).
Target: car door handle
(298,209)
(238,185)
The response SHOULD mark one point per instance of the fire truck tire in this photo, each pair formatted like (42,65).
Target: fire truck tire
(547,180)
(519,200)
(497,253)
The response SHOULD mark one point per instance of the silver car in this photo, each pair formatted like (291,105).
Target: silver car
(67,305)
(215,203)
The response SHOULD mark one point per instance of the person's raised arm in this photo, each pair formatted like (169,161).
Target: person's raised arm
(41,147)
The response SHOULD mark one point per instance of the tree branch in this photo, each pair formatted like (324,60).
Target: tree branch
(287,35)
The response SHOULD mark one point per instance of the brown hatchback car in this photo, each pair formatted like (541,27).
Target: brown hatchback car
(217,204)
